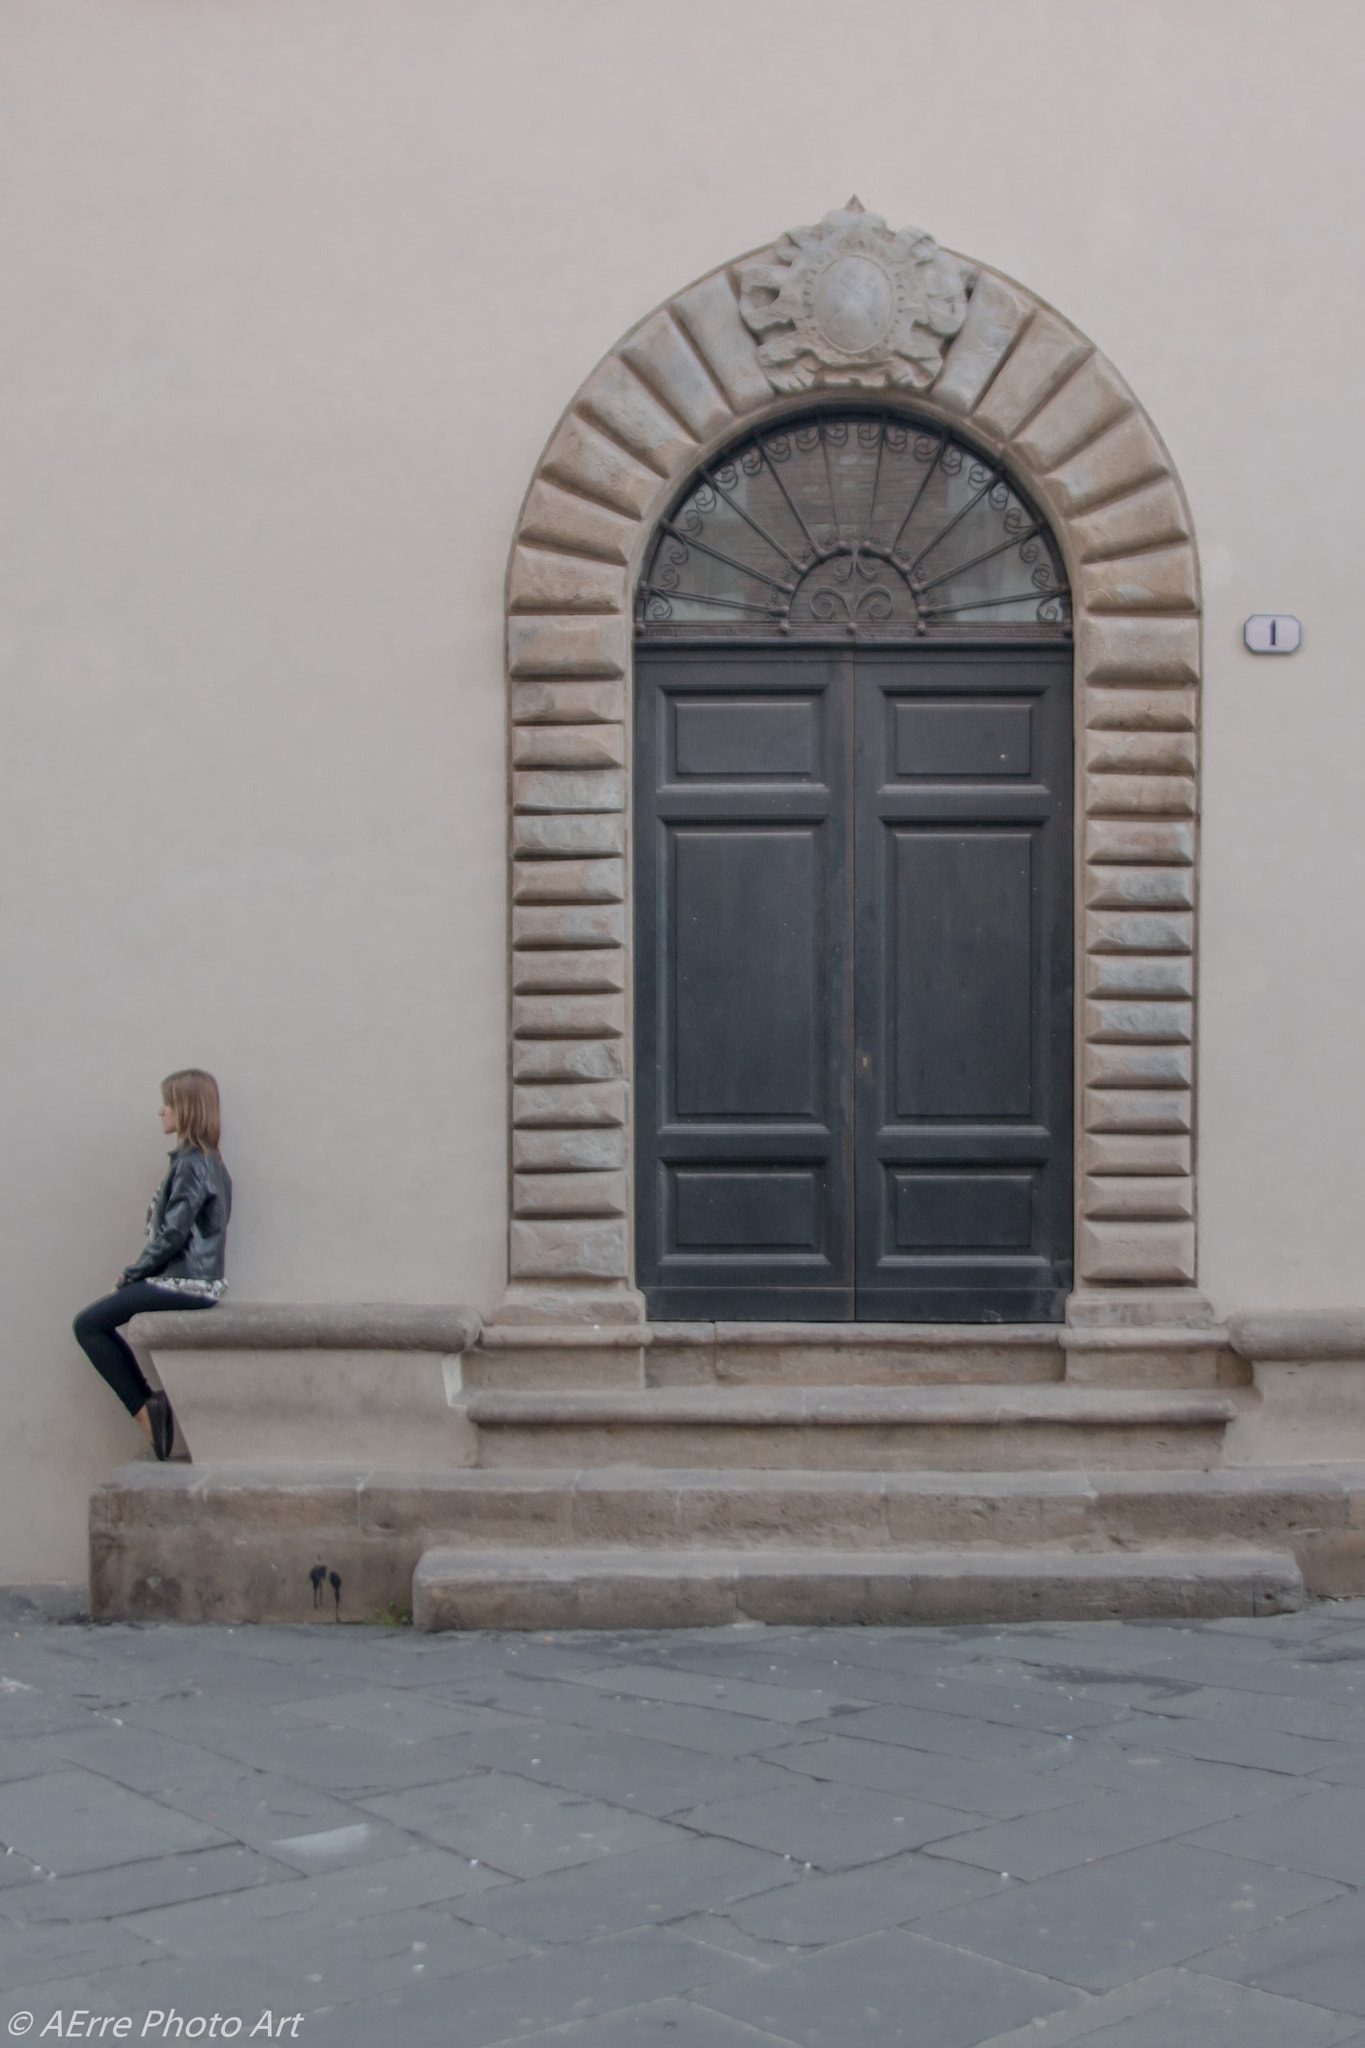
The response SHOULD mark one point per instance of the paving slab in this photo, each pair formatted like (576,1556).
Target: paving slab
(133,1887)
(709,1731)
(72,1820)
(1178,2009)
(1319,1955)
(832,1827)
(385,1953)
(668,2023)
(336,1759)
(293,1908)
(638,1772)
(1231,1741)
(1317,1720)
(21,1759)
(720,1930)
(950,1734)
(522,1828)
(1323,1833)
(394,1715)
(234,1985)
(643,1888)
(284,1819)
(977,1785)
(732,1695)
(1344,1770)
(1100,1924)
(1220,1790)
(1081,1832)
(37,1955)
(1014,1699)
(890,1990)
(1336,1677)
(772,1661)
(227,1675)
(820,1910)
(713,1731)
(17,1872)
(39,1713)
(130,1755)
(536,1992)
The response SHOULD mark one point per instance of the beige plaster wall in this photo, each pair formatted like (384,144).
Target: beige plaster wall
(293,295)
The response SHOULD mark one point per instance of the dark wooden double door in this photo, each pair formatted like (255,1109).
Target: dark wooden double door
(854,982)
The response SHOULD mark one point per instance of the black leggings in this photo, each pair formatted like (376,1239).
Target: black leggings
(97,1333)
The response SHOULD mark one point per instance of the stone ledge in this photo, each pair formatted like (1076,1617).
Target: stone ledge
(1324,1492)
(916,1336)
(564,1337)
(526,1588)
(310,1326)
(1140,1337)
(983,1407)
(814,1336)
(1293,1334)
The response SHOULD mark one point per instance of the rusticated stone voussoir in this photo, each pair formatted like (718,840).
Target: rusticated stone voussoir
(1031,389)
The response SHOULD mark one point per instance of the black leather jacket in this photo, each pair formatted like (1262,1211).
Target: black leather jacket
(187,1226)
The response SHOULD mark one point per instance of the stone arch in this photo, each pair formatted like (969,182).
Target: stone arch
(970,349)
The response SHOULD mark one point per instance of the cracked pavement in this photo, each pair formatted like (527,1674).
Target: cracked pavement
(1136,1836)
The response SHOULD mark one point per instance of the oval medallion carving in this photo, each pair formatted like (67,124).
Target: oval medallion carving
(853,303)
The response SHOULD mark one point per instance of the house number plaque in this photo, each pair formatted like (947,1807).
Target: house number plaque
(1272,633)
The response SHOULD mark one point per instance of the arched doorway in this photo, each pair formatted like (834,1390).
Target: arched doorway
(853,854)
(971,352)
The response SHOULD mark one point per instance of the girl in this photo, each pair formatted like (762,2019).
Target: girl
(182,1266)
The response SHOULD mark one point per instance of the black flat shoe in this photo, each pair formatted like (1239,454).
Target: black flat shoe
(162,1419)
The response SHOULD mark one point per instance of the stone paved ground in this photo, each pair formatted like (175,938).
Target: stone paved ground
(1131,1836)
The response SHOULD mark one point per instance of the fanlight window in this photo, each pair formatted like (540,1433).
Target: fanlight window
(854,521)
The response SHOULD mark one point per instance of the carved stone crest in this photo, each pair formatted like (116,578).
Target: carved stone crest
(851,302)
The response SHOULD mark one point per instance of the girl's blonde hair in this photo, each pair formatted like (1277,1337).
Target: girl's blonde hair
(193,1095)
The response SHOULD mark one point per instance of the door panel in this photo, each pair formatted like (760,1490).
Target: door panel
(962,1211)
(779,1210)
(746,737)
(853,982)
(743,1004)
(950,738)
(962,813)
(959,1007)
(749,942)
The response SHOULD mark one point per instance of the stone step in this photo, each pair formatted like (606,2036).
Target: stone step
(677,1508)
(528,1588)
(961,1428)
(1165,1356)
(201,1543)
(530,1357)
(793,1354)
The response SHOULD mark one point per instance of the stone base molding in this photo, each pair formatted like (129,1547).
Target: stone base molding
(317,1384)
(975,352)
(1308,1366)
(293,1544)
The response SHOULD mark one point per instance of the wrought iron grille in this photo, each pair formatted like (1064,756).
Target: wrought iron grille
(854,522)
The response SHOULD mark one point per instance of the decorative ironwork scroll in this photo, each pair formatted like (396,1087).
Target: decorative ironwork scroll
(855,521)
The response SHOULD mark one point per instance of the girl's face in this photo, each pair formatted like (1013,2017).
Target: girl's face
(167,1115)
